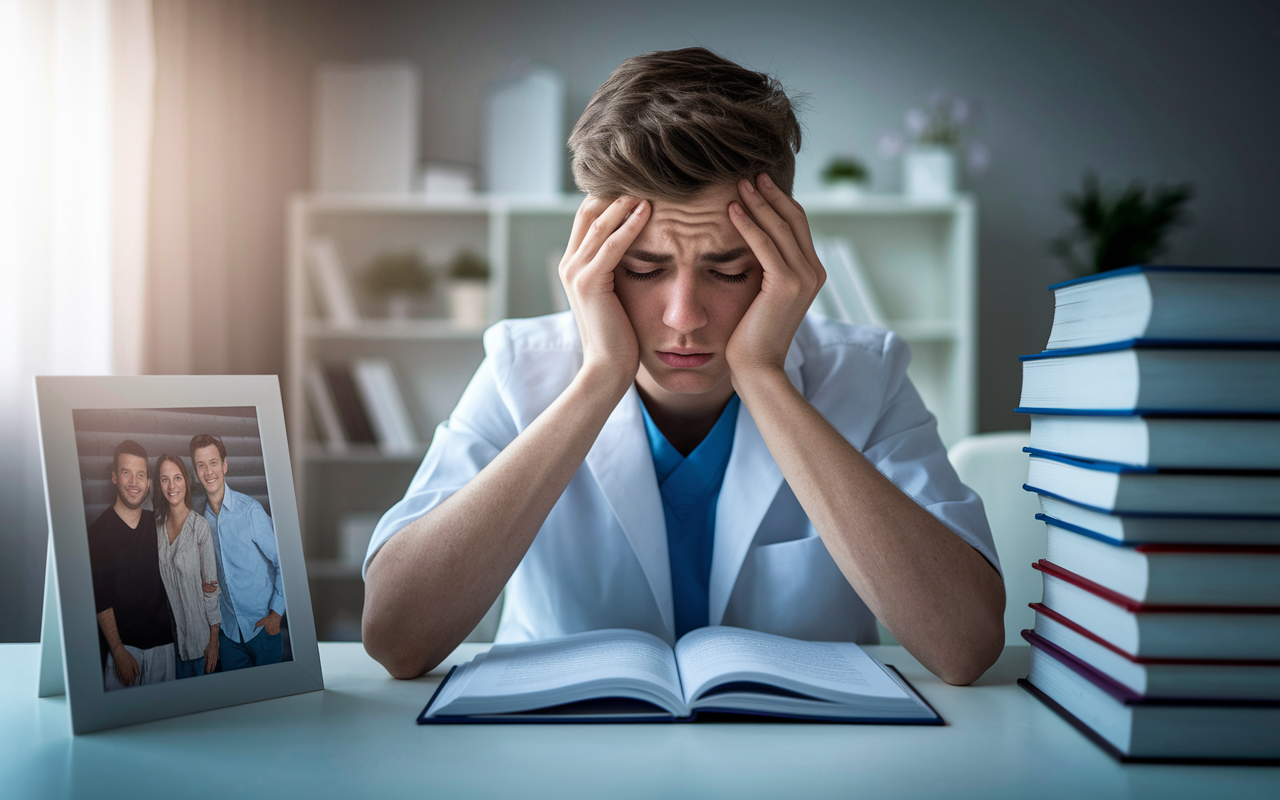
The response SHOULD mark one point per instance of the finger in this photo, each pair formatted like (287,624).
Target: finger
(792,212)
(612,249)
(779,230)
(609,222)
(586,214)
(762,245)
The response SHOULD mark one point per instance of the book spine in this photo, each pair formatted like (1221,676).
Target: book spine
(325,410)
(332,284)
(354,418)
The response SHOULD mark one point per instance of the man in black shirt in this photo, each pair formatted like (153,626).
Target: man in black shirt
(133,609)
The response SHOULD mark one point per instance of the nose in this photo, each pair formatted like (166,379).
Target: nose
(685,311)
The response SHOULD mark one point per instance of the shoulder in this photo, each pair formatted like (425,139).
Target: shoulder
(825,345)
(512,339)
(532,360)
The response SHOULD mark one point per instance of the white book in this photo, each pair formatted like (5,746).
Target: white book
(391,423)
(333,289)
(524,132)
(847,294)
(632,675)
(1166,442)
(326,412)
(1138,529)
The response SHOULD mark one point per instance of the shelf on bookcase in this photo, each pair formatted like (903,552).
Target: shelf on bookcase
(388,330)
(361,454)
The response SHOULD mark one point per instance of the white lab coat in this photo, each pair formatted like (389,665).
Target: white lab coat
(600,559)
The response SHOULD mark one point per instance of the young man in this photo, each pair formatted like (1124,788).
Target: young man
(133,609)
(248,563)
(688,446)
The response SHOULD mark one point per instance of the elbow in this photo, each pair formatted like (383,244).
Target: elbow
(387,641)
(971,662)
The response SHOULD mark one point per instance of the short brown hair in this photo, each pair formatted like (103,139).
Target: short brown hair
(204,440)
(667,125)
(128,448)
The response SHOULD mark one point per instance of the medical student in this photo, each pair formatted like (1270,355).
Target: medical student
(688,446)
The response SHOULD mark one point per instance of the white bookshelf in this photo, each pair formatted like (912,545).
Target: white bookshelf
(919,260)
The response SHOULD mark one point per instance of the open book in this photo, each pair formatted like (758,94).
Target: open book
(626,675)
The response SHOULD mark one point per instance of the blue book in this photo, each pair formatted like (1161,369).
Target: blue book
(1106,486)
(1225,305)
(1167,442)
(1135,377)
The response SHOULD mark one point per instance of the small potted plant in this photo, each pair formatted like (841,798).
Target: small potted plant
(469,290)
(1115,229)
(933,141)
(846,177)
(401,280)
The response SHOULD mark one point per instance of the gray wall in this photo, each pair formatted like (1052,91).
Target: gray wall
(1162,91)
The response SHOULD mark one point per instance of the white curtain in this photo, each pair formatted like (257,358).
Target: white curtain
(75,124)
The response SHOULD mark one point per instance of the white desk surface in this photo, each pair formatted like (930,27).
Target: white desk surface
(358,739)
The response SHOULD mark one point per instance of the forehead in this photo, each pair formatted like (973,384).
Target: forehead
(692,226)
(128,461)
(207,453)
(169,467)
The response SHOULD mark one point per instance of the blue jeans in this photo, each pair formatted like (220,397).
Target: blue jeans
(261,649)
(190,669)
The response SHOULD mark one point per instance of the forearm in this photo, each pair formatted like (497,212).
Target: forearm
(107,622)
(431,583)
(938,595)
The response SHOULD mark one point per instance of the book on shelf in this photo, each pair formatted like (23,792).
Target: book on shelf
(1146,630)
(392,427)
(1178,442)
(847,294)
(324,411)
(1133,726)
(1167,303)
(632,676)
(332,288)
(1128,528)
(1121,487)
(1171,574)
(1159,677)
(1127,377)
(355,420)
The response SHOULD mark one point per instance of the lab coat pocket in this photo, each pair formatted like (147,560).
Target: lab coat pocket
(795,589)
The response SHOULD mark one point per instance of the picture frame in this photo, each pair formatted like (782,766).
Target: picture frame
(79,419)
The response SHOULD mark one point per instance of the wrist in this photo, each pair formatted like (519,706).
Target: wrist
(760,379)
(604,383)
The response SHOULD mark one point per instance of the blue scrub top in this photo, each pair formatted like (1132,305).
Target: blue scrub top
(690,486)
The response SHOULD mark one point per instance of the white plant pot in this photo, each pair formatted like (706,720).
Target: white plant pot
(846,192)
(929,172)
(469,303)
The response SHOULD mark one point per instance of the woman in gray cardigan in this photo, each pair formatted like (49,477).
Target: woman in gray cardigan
(187,564)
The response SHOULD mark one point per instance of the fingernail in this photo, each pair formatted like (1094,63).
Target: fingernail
(750,187)
(764,180)
(735,208)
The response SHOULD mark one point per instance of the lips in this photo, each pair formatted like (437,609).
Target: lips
(684,360)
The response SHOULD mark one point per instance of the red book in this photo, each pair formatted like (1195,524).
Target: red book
(1145,630)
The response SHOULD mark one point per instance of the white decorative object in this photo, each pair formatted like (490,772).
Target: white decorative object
(929,172)
(846,192)
(524,136)
(446,180)
(469,303)
(366,128)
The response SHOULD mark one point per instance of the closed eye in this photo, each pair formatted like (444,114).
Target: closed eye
(727,278)
(642,276)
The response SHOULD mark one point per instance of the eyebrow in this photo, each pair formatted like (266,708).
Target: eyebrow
(726,257)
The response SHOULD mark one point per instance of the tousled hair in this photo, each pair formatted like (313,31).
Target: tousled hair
(160,503)
(127,448)
(669,124)
(204,440)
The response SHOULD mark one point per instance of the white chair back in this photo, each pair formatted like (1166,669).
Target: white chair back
(994,466)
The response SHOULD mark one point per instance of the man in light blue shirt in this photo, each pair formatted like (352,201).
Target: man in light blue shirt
(248,563)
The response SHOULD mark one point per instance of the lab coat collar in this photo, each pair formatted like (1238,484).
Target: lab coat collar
(751,481)
(622,465)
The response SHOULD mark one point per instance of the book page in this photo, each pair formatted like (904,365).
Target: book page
(609,663)
(834,671)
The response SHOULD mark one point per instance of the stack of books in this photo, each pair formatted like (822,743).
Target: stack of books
(1155,452)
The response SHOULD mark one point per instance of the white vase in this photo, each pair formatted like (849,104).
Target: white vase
(846,192)
(469,303)
(929,172)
